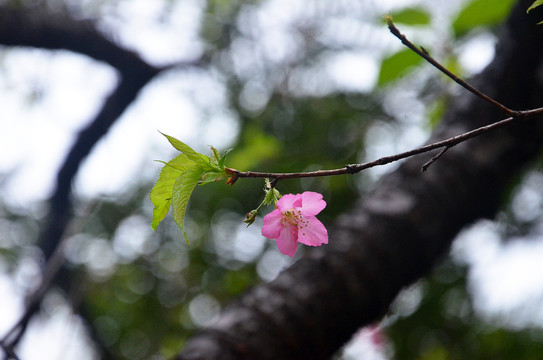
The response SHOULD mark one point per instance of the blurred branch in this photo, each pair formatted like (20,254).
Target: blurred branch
(38,28)
(399,231)
(60,204)
(8,352)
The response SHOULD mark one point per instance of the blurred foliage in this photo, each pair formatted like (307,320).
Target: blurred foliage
(535,4)
(142,293)
(398,64)
(152,293)
(481,12)
(412,16)
(443,324)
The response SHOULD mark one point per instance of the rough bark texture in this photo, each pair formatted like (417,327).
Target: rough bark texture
(397,233)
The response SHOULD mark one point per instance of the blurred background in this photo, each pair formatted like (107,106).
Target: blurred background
(289,86)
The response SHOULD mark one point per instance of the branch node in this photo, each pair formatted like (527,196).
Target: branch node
(232,179)
(351,168)
(518,114)
(433,159)
(424,51)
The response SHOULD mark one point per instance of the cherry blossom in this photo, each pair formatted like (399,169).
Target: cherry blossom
(294,221)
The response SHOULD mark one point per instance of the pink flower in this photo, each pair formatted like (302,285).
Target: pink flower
(294,221)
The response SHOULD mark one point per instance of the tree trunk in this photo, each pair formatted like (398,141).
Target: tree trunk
(395,234)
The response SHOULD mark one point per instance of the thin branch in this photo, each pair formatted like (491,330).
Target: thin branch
(8,352)
(356,168)
(445,144)
(54,31)
(59,31)
(433,159)
(52,268)
(385,242)
(51,240)
(40,28)
(422,52)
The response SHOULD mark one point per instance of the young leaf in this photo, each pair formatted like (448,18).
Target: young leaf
(179,163)
(272,194)
(223,159)
(534,5)
(188,151)
(161,194)
(179,177)
(216,155)
(182,189)
(212,176)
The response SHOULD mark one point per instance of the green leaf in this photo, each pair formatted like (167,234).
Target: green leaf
(212,176)
(272,194)
(180,162)
(188,151)
(182,189)
(534,5)
(393,67)
(161,194)
(178,178)
(412,16)
(223,159)
(481,12)
(216,155)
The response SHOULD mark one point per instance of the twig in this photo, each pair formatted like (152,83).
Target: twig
(355,168)
(422,52)
(52,267)
(433,159)
(445,144)
(8,352)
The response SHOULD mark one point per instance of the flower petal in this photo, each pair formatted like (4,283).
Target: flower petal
(286,242)
(272,224)
(312,203)
(314,233)
(289,201)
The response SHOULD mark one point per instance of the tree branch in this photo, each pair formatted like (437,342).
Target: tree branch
(21,26)
(356,168)
(445,144)
(53,31)
(422,52)
(399,231)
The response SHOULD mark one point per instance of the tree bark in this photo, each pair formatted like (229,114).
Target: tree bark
(398,232)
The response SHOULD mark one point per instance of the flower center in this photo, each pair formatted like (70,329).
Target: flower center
(294,219)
